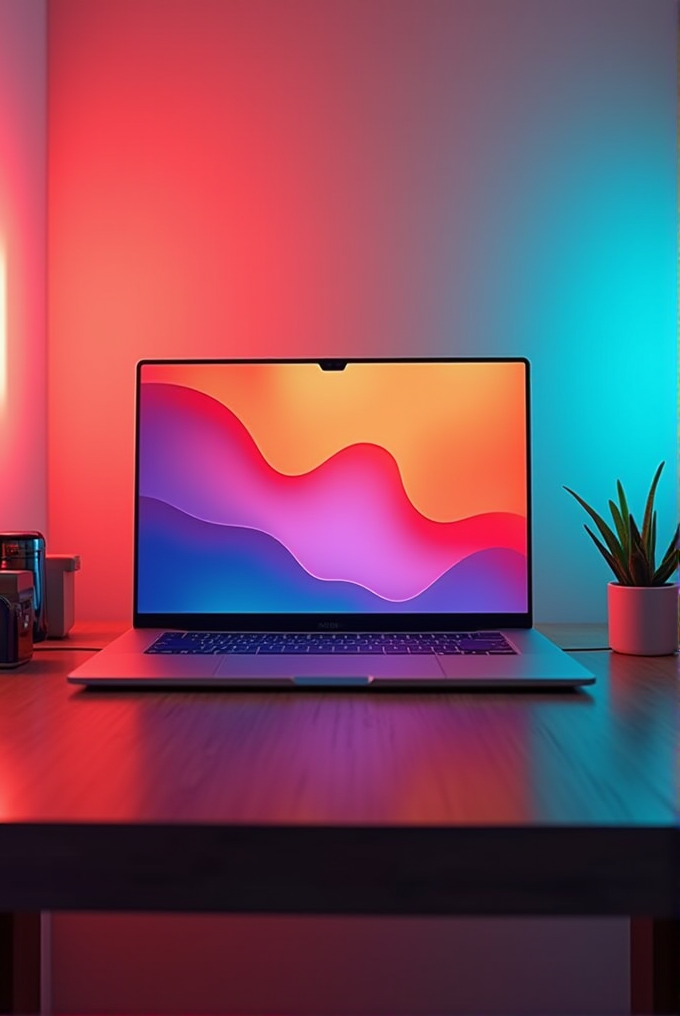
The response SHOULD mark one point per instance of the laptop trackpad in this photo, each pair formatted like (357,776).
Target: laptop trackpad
(341,666)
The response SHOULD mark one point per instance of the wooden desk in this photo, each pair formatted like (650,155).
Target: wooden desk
(344,802)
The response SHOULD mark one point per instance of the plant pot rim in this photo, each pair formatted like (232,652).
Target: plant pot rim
(664,585)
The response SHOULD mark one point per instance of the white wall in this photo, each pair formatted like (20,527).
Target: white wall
(367,178)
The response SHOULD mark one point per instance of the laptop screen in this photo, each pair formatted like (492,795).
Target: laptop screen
(332,489)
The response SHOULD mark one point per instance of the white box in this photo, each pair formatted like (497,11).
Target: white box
(60,593)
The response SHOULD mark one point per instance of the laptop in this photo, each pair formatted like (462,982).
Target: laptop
(332,524)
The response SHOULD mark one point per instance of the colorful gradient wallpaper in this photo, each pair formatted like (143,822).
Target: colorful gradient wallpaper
(382,487)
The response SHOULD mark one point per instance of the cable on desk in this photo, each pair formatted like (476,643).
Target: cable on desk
(67,649)
(586,649)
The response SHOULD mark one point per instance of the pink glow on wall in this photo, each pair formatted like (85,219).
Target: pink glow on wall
(23,222)
(226,184)
(3,332)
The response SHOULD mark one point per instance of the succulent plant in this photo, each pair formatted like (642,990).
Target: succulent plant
(628,550)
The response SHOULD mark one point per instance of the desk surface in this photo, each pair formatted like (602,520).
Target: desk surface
(463,802)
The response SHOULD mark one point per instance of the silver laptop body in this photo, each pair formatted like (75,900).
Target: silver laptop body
(332,523)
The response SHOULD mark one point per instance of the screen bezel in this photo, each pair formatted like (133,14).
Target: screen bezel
(322,621)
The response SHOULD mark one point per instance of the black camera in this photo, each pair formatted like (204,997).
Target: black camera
(16,618)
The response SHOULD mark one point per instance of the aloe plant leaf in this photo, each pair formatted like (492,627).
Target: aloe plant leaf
(621,527)
(639,568)
(623,504)
(613,545)
(665,571)
(669,562)
(620,570)
(674,544)
(649,506)
(652,539)
(638,564)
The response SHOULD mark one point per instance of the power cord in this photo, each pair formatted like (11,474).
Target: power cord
(586,649)
(67,649)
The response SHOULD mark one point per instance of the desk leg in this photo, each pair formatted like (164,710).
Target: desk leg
(19,963)
(654,966)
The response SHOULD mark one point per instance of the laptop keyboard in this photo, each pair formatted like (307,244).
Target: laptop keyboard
(484,643)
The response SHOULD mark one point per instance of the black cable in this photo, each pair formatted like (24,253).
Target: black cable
(67,649)
(586,649)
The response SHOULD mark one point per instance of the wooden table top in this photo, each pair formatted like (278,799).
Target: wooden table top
(341,801)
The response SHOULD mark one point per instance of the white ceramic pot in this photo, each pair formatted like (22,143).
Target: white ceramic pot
(643,620)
